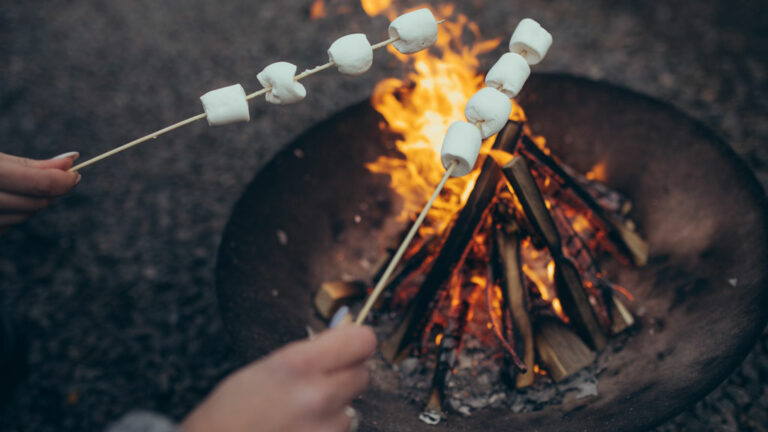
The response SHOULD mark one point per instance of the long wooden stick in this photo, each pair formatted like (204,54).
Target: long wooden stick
(403,247)
(193,119)
(133,143)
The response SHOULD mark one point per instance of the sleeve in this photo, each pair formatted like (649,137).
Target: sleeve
(143,421)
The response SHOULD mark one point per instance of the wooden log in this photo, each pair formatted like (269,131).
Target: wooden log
(456,242)
(561,351)
(628,242)
(332,295)
(621,317)
(570,291)
(447,355)
(516,299)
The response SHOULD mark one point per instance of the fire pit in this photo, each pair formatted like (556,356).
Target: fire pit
(315,213)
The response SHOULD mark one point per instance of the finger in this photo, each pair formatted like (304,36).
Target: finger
(7,220)
(331,350)
(11,203)
(63,161)
(34,181)
(347,385)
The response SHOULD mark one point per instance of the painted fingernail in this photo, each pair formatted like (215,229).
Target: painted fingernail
(338,317)
(78,178)
(73,155)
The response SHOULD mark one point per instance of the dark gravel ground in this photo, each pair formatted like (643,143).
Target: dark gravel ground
(113,286)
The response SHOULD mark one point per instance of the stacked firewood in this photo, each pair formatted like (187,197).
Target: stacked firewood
(530,199)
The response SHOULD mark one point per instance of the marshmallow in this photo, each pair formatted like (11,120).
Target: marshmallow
(462,143)
(416,30)
(530,40)
(490,109)
(284,89)
(352,54)
(226,105)
(508,74)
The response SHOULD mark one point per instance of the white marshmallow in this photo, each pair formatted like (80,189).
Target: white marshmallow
(352,54)
(462,144)
(226,105)
(490,109)
(530,40)
(417,30)
(508,74)
(284,89)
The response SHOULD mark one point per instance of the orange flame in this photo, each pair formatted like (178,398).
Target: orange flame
(421,108)
(317,10)
(375,7)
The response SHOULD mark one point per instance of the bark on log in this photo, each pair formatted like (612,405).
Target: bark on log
(572,295)
(626,240)
(516,298)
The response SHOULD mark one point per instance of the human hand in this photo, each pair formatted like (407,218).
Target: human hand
(28,185)
(304,386)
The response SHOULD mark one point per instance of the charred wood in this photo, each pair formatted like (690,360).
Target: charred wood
(447,355)
(568,281)
(516,299)
(456,242)
(628,242)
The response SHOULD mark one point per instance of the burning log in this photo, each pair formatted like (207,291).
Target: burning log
(456,242)
(516,298)
(561,351)
(569,285)
(333,295)
(626,240)
(447,354)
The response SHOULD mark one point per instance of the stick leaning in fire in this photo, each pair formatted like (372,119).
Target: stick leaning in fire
(487,112)
(351,54)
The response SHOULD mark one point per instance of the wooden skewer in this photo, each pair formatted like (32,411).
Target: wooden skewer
(193,119)
(403,247)
(136,142)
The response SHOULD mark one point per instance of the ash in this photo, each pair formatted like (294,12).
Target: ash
(480,379)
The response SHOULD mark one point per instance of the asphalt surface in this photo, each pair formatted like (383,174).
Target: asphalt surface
(112,287)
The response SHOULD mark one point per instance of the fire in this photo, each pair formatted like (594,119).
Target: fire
(597,173)
(375,7)
(317,10)
(421,107)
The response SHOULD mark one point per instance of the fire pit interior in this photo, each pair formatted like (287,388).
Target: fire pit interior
(315,214)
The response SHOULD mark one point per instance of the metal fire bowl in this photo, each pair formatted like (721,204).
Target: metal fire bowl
(702,299)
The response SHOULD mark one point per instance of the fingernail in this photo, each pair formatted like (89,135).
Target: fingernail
(73,154)
(78,178)
(339,316)
(354,418)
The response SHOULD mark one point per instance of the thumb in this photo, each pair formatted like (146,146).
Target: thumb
(63,161)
